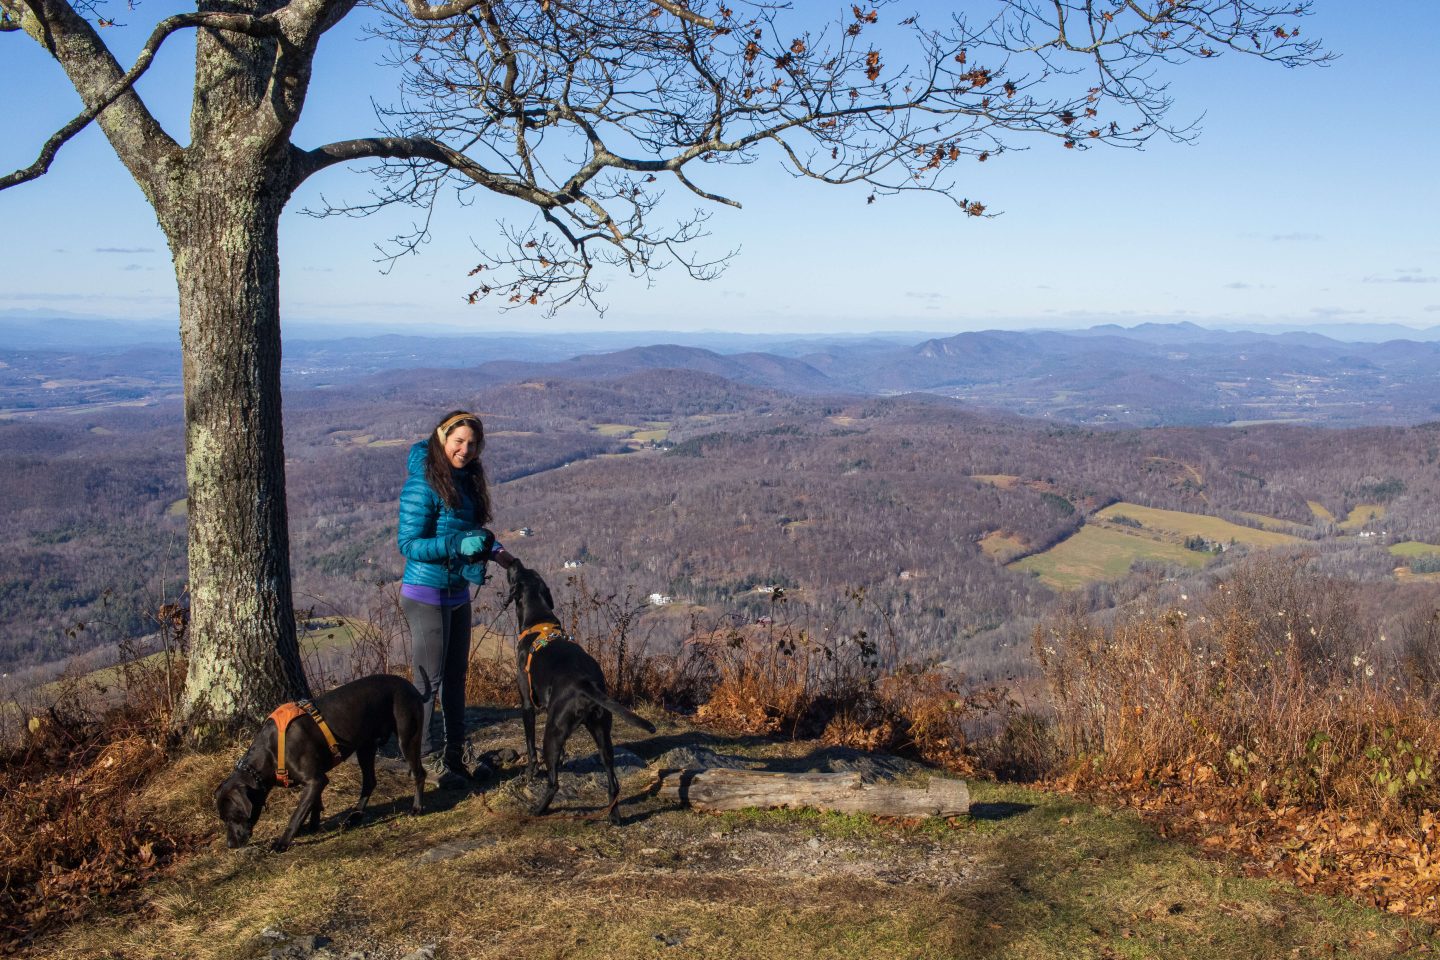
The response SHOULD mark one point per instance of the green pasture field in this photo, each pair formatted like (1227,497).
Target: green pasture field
(614,429)
(1361,514)
(1181,524)
(655,430)
(1102,553)
(1274,523)
(1414,548)
(658,430)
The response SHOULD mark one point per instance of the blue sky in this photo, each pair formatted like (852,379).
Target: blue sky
(1309,198)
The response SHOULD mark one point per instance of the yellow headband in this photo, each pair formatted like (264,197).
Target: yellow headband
(444,428)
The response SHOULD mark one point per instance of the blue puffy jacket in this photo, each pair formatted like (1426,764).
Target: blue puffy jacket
(429,532)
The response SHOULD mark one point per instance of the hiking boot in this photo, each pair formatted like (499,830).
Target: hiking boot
(446,776)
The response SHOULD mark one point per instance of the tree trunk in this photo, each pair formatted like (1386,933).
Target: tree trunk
(721,788)
(244,656)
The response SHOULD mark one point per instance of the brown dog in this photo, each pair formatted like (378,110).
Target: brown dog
(556,674)
(362,715)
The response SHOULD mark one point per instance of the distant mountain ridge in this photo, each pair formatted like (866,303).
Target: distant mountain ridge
(1147,375)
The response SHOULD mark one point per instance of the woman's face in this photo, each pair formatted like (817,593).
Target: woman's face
(462,446)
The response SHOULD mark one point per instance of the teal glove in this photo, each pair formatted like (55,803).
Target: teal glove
(473,544)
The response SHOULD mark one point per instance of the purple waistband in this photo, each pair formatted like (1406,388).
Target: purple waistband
(434,595)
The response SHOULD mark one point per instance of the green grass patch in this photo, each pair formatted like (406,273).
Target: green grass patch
(614,429)
(1361,514)
(180,508)
(1414,548)
(1318,508)
(1274,523)
(1180,524)
(1102,553)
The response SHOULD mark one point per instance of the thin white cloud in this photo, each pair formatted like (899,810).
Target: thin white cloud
(131,250)
(83,297)
(1404,276)
(1329,312)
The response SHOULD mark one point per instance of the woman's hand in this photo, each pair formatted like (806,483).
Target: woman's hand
(475,544)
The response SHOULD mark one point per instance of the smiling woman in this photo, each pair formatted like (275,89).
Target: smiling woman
(444,507)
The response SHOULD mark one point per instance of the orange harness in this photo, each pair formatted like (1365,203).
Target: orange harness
(545,632)
(282,716)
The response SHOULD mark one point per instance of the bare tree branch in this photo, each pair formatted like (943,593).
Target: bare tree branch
(138,139)
(218,21)
(576,106)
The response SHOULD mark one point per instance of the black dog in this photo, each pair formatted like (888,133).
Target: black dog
(362,714)
(557,675)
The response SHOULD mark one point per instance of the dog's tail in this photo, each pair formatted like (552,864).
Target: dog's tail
(603,699)
(428,691)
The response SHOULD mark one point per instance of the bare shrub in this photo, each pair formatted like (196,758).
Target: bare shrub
(1269,692)
(1419,644)
(68,827)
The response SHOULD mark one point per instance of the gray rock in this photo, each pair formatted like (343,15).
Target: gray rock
(692,757)
(580,778)
(872,767)
(453,849)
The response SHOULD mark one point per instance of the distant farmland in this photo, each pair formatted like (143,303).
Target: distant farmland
(1176,523)
(1102,553)
(1123,533)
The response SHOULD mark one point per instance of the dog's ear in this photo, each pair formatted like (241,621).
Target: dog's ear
(232,802)
(255,800)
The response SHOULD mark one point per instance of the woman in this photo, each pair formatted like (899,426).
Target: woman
(444,508)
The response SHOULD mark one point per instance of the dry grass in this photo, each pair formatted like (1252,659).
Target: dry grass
(1258,712)
(1034,876)
(1001,547)
(1249,721)
(71,829)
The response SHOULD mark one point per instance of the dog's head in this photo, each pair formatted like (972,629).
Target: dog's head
(530,594)
(239,802)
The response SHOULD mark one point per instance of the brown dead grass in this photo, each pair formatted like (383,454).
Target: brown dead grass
(71,829)
(1257,723)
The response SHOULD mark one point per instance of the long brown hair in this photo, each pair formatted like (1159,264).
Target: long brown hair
(439,474)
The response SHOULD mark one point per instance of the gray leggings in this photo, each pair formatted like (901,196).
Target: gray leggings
(440,649)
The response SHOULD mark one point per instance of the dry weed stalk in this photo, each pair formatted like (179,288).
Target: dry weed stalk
(1266,689)
(68,827)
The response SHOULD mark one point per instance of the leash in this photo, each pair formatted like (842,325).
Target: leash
(282,716)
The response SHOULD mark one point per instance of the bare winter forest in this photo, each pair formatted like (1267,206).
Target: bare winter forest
(709,493)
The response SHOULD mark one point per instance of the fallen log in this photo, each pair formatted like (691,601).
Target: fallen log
(721,788)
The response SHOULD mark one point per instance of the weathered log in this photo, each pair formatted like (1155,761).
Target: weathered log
(725,789)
